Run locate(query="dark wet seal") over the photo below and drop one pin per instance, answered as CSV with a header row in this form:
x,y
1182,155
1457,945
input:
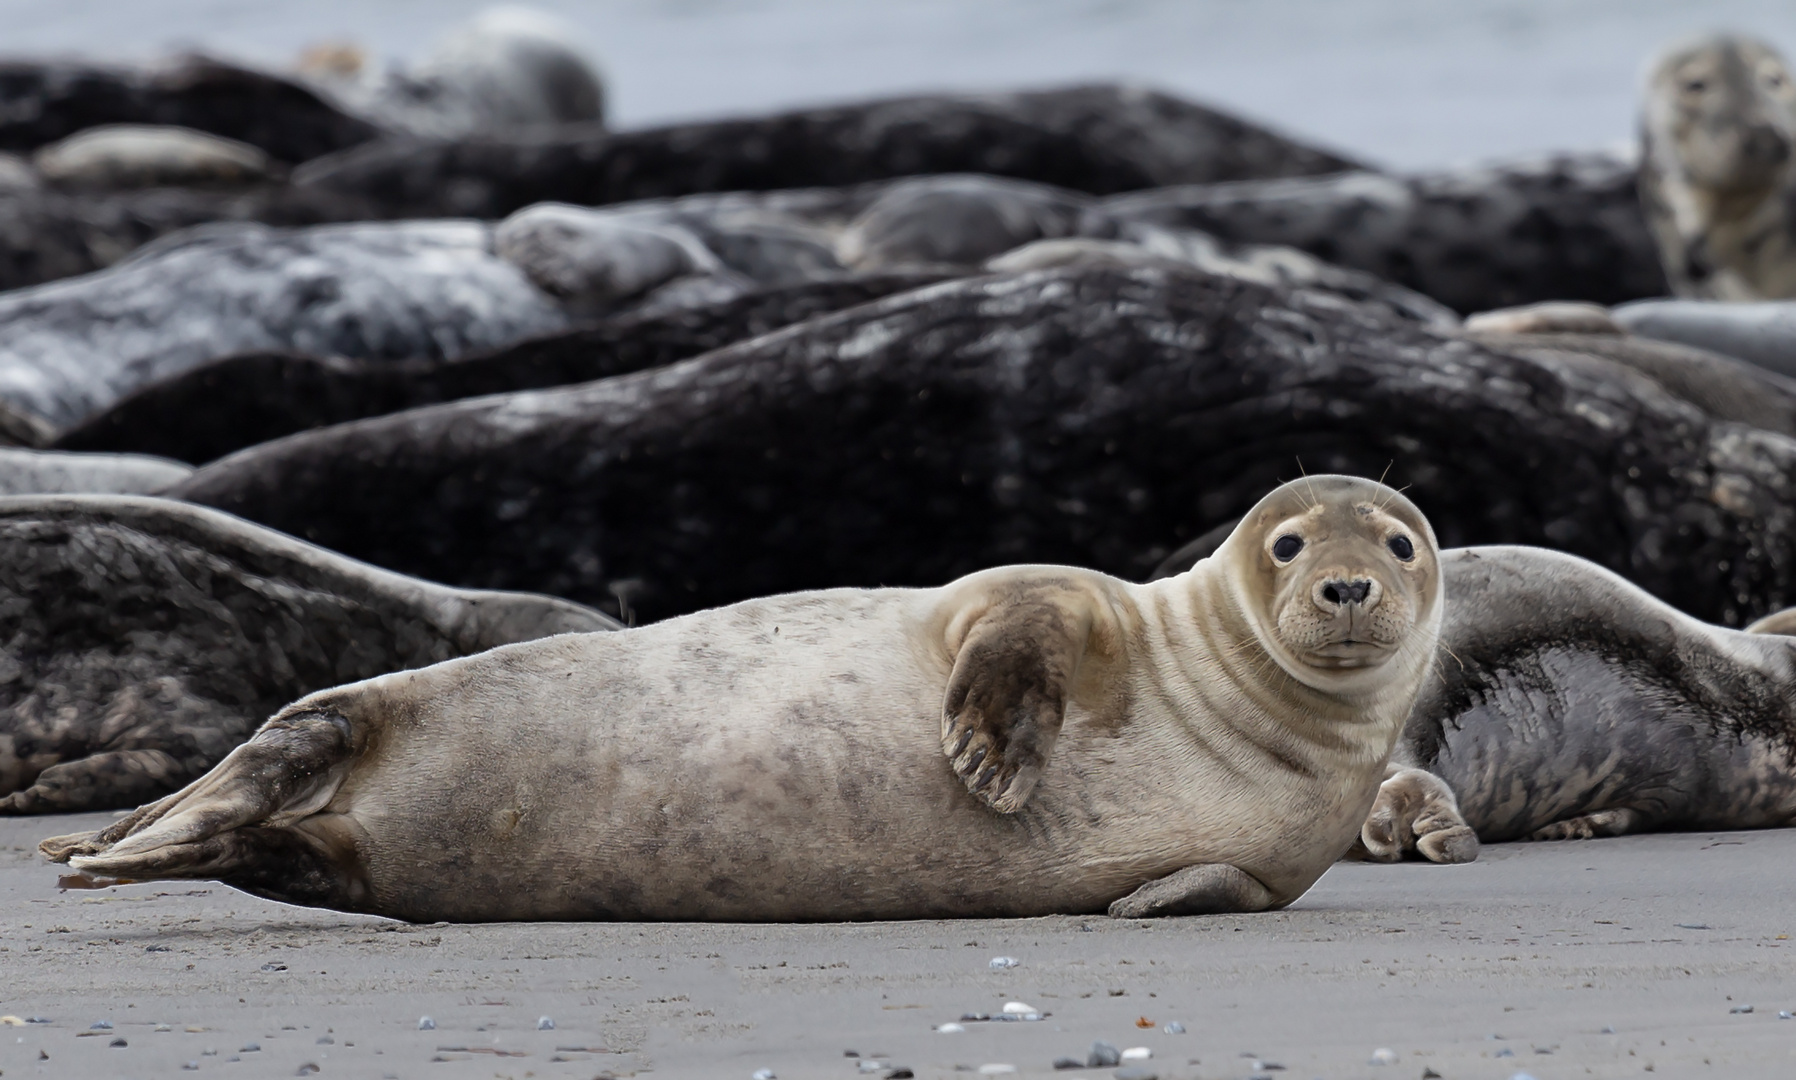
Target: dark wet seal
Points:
x,y
252,398
144,639
1090,416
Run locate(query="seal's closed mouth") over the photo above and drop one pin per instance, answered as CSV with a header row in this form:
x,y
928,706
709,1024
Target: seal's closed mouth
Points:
x,y
1350,652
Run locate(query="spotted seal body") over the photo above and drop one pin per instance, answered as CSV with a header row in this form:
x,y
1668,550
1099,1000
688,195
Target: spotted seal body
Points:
x,y
1022,741
142,639
1568,703
1716,138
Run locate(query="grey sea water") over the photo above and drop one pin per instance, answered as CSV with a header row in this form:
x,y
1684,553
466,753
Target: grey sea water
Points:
x,y
1407,83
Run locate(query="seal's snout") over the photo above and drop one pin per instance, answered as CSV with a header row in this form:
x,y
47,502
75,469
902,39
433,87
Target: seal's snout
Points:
x,y
1764,144
1339,592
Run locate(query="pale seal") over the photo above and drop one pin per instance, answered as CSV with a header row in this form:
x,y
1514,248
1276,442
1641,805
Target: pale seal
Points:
x,y
1022,741
142,639
148,155
1716,131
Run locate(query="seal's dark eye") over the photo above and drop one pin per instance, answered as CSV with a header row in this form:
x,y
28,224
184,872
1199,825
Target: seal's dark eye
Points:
x,y
1695,86
1286,547
1401,547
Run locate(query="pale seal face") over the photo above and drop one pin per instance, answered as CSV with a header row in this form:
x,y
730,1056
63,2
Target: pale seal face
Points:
x,y
1725,107
1339,577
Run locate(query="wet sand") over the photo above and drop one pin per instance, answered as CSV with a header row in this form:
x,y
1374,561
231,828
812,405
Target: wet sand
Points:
x,y
1535,949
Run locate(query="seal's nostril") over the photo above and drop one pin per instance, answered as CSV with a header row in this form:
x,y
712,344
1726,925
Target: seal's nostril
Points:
x,y
1346,592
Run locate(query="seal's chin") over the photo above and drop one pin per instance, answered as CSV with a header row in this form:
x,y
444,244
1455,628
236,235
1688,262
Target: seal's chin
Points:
x,y
1348,653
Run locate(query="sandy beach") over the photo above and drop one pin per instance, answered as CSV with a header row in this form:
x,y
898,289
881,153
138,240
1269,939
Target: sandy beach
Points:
x,y
1603,958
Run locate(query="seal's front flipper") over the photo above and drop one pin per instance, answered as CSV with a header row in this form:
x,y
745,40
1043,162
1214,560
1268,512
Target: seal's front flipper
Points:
x,y
285,773
1415,811
1007,693
1204,889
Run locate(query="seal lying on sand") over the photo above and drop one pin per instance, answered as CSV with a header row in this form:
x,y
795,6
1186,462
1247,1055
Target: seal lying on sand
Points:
x,y
1715,169
142,639
1023,741
1567,703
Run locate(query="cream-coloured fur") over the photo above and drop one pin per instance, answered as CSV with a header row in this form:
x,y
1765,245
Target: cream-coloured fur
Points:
x,y
783,758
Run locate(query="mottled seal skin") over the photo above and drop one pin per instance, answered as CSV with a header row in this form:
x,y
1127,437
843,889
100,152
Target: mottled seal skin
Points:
x,y
142,639
1023,741
1717,127
1568,227
1567,703
380,290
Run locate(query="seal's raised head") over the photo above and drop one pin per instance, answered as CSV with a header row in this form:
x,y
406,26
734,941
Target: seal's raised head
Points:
x,y
1724,108
1337,577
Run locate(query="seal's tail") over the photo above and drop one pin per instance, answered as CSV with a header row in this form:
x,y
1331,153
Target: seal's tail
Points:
x,y
251,822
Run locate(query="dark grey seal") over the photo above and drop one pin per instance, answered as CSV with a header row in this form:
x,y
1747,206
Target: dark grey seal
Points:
x,y
142,639
1763,333
1563,228
1086,415
395,291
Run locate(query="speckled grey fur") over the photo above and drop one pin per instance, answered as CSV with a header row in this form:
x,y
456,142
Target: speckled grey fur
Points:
x,y
397,290
141,639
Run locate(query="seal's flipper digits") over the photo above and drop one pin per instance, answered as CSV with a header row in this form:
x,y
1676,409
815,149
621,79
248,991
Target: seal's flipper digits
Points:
x,y
1617,822
289,770
1205,889
71,786
1415,811
1007,694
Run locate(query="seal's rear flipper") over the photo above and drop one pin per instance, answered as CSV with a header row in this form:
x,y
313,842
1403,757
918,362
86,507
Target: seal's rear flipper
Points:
x,y
1416,811
281,777
1204,889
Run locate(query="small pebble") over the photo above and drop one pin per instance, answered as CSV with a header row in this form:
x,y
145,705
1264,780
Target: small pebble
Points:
x,y
1103,1056
1137,1053
1525,1076
1693,926
1068,1063
274,967
307,1069
326,1040
1505,1052
1174,1028
1430,1074
871,1065
119,1042
425,1023
1607,1030
1741,1009
100,1025
232,1058
1384,1055
192,1066
1018,1008
762,1074
950,1028
164,1027
901,1074
250,1048
37,1019
1137,1072
999,963
1267,1066
1542,1050
996,1069
543,1023
1785,1014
